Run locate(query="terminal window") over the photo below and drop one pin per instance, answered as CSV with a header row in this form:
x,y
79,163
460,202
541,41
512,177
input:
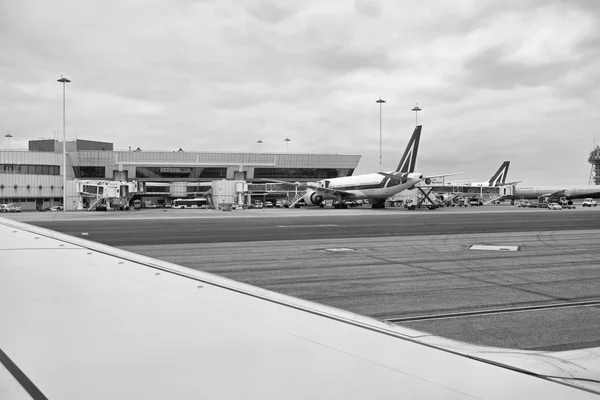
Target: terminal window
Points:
x,y
89,172
29,169
181,173
157,189
213,173
198,189
296,173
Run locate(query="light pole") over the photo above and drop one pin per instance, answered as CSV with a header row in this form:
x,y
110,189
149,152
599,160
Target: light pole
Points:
x,y
287,144
64,80
259,143
416,109
8,136
380,101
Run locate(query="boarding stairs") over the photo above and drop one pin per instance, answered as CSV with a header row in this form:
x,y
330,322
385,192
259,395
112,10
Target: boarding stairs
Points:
x,y
95,203
296,199
492,199
129,197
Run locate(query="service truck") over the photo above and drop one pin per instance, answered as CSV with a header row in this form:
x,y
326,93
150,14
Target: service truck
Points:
x,y
588,202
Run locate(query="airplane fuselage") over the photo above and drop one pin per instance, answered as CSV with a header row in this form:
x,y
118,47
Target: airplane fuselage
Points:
x,y
367,186
534,192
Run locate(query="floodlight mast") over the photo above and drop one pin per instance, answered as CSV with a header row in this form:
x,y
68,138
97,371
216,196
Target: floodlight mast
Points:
x,y
64,81
380,101
416,109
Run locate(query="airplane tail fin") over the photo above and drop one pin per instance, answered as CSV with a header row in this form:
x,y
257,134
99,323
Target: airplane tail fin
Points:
x,y
499,178
409,158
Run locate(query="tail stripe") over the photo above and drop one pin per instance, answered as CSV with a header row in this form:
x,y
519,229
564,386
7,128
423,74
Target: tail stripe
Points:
x,y
499,178
409,158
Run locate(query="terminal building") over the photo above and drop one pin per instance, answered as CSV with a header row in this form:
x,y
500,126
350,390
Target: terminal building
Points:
x,y
33,178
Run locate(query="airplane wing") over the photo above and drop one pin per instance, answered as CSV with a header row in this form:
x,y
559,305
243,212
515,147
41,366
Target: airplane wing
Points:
x,y
557,193
463,181
441,175
334,191
299,185
81,320
304,186
394,177
400,176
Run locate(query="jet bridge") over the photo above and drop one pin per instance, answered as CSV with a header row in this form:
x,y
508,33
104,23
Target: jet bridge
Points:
x,y
90,193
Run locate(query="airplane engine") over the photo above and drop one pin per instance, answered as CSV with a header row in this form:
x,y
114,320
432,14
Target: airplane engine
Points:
x,y
428,181
313,198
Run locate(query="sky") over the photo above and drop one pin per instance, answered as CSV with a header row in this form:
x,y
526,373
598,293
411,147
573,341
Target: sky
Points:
x,y
498,80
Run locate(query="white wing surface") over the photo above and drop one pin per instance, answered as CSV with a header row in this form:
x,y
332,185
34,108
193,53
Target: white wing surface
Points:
x,y
80,320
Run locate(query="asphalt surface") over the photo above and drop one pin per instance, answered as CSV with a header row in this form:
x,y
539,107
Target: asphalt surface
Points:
x,y
390,263
157,227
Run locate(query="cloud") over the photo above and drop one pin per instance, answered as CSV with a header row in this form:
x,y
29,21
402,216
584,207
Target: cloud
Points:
x,y
496,80
490,69
270,12
368,8
346,60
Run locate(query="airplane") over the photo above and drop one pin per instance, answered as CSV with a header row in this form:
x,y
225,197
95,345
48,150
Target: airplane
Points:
x,y
375,187
498,179
535,192
82,320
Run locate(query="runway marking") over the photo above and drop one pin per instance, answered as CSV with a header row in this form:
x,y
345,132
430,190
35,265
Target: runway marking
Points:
x,y
305,226
84,234
340,249
493,248
495,311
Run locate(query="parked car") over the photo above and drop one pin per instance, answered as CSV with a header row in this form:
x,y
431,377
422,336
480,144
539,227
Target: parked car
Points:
x,y
56,208
278,204
588,202
268,204
554,206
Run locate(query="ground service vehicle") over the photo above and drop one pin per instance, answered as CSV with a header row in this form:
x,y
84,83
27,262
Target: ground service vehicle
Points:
x,y
410,205
461,202
474,201
10,207
190,203
588,202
